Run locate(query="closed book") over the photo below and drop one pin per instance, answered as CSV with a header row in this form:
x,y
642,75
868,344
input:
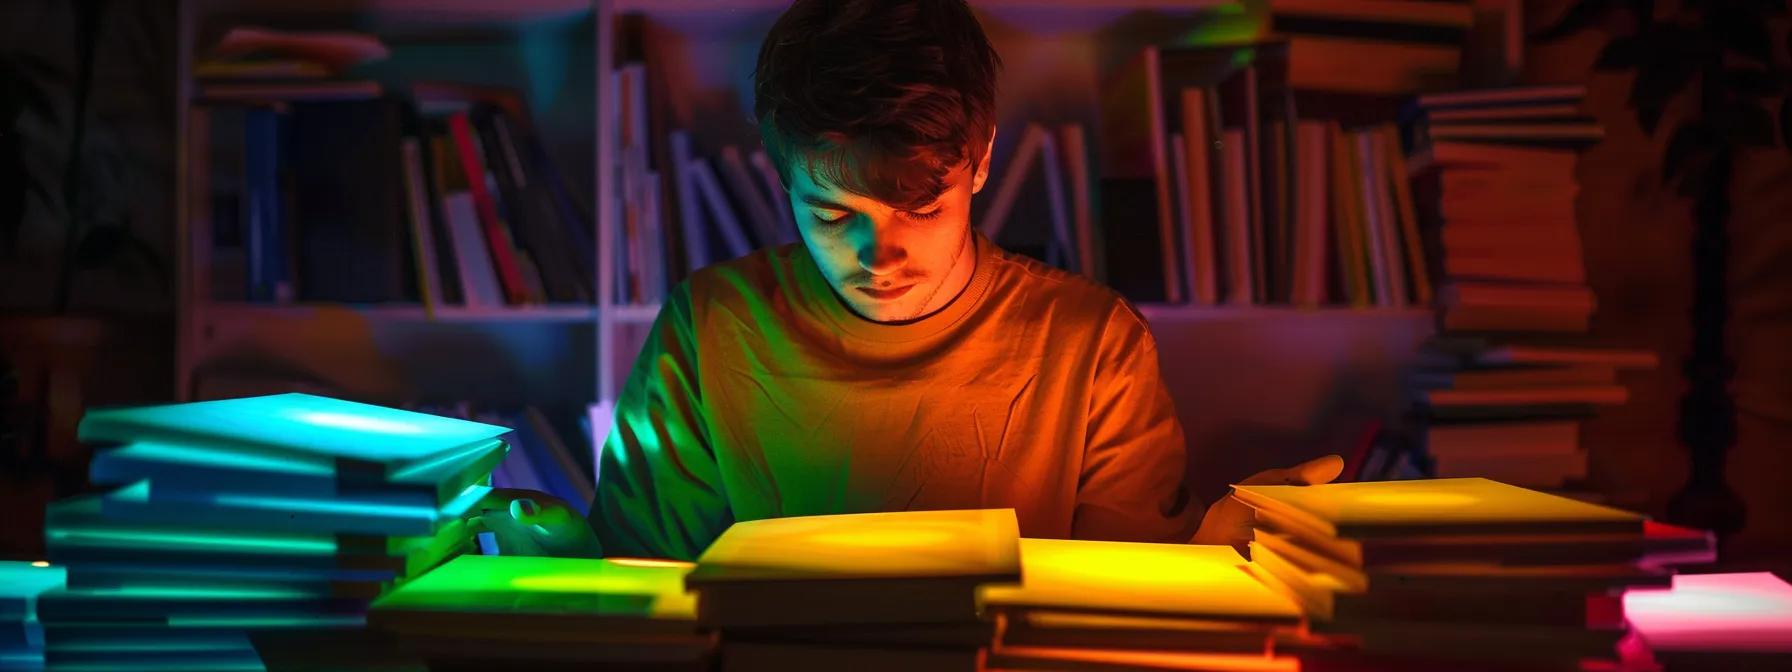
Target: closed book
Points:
x,y
903,567
1430,507
544,599
1139,579
428,483
362,436
1146,633
145,503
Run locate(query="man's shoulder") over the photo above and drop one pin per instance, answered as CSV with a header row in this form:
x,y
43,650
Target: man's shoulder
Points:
x,y
757,274
1043,287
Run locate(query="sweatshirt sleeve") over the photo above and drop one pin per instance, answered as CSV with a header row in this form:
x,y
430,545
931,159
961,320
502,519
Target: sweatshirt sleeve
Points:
x,y
659,490
1133,481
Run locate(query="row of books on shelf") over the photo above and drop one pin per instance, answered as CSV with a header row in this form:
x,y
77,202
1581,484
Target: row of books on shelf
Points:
x,y
323,189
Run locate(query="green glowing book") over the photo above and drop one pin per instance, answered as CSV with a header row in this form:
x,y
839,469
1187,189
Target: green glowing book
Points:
x,y
430,483
143,502
20,585
901,567
76,531
546,599
374,439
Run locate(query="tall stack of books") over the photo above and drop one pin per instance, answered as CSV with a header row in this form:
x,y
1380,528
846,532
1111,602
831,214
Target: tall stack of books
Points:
x,y
1505,386
241,515
1461,570
511,612
21,635
1117,605
875,591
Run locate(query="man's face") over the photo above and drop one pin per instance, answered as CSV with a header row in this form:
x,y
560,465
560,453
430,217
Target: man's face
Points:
x,y
889,265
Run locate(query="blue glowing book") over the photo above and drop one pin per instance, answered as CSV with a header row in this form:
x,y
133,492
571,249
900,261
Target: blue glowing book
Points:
x,y
362,584
20,585
173,655
76,530
375,440
21,636
143,502
158,604
429,483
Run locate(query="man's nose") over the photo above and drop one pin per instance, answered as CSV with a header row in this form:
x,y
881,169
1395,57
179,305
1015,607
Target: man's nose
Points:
x,y
881,253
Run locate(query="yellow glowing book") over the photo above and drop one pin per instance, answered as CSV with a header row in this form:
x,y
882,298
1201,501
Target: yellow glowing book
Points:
x,y
1428,507
1146,633
546,599
1659,543
1203,582
1109,660
1462,591
900,567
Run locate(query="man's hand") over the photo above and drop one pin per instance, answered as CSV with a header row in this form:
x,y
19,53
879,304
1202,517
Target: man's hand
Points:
x,y
1229,520
530,523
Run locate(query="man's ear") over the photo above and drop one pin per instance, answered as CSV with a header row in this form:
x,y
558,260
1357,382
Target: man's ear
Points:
x,y
982,173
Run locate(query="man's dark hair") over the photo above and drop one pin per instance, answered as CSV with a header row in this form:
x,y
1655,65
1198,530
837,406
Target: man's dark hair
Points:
x,y
882,98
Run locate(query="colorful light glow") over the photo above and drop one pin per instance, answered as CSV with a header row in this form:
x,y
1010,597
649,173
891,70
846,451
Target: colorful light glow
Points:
x,y
651,562
1430,500
41,563
1120,577
479,586
1715,612
359,423
865,545
299,424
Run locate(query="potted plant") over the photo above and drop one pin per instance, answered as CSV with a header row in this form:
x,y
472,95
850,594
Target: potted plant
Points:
x,y
1720,55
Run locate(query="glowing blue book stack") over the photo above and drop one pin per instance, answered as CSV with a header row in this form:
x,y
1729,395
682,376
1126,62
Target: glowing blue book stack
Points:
x,y
246,515
21,635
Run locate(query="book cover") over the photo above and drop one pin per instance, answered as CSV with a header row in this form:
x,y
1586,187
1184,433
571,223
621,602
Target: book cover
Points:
x,y
1431,507
1180,580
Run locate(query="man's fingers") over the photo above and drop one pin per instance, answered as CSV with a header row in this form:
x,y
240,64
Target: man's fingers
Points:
x,y
1319,471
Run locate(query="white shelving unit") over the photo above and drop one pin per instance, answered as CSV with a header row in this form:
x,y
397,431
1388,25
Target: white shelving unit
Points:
x,y
1054,52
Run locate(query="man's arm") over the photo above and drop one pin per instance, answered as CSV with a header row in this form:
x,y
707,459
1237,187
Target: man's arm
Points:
x,y
1133,485
659,491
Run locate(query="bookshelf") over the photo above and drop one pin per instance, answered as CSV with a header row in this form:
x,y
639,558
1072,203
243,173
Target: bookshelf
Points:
x,y
699,55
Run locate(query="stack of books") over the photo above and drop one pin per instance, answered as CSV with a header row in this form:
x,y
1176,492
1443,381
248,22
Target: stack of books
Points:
x,y
512,612
1122,605
1503,390
1739,621
1513,411
21,635
1387,47
1496,188
240,515
872,591
1461,569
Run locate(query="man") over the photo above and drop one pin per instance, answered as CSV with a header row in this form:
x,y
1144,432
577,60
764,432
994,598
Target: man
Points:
x,y
895,359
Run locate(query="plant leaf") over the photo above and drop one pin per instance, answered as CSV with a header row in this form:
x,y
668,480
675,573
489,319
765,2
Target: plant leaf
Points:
x,y
1786,123
1622,53
1578,18
1657,83
1740,30
1751,82
1690,142
1749,124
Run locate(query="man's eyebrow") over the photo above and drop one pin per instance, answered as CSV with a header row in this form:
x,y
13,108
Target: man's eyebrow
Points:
x,y
822,202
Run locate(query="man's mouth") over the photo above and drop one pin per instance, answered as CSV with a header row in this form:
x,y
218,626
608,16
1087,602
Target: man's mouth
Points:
x,y
890,294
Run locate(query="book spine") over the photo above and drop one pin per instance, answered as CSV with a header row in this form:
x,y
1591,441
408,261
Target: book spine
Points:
x,y
497,242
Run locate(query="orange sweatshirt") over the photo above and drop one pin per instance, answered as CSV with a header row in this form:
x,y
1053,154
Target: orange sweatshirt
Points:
x,y
759,394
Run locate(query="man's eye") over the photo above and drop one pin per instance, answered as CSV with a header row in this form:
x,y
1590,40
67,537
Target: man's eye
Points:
x,y
924,216
830,216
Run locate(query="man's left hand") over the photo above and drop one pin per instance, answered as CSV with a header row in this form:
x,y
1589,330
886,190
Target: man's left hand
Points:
x,y
1229,521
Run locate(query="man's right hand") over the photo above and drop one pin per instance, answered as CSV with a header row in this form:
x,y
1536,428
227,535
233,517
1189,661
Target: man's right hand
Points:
x,y
531,523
